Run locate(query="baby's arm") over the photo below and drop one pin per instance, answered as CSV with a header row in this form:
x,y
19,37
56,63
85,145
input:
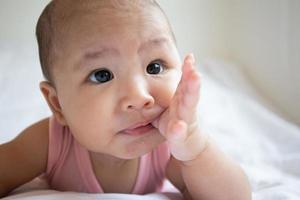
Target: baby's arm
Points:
x,y
211,176
24,158
198,168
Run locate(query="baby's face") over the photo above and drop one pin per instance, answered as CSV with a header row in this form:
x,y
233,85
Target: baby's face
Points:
x,y
118,70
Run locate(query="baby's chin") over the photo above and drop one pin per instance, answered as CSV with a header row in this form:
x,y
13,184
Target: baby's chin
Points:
x,y
141,146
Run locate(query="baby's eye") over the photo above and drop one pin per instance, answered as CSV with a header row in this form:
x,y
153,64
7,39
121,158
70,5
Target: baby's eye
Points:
x,y
155,68
101,76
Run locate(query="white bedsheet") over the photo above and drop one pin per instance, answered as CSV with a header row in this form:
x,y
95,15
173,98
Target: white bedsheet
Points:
x,y
266,146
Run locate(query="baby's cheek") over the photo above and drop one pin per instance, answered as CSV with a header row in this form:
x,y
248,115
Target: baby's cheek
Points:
x,y
166,91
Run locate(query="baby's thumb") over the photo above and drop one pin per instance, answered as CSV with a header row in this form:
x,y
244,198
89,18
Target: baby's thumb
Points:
x,y
176,131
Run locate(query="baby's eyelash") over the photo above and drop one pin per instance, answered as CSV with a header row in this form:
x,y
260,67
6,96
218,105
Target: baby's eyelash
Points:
x,y
160,61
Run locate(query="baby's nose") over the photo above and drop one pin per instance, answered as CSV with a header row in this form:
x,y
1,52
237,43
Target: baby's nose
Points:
x,y
136,96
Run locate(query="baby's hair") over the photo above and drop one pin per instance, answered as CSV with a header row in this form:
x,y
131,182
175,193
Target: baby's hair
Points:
x,y
53,22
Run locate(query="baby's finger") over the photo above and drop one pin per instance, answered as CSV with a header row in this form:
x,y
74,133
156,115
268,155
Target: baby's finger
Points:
x,y
182,86
192,92
188,65
186,68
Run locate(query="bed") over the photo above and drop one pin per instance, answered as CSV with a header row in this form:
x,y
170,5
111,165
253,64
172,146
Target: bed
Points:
x,y
231,111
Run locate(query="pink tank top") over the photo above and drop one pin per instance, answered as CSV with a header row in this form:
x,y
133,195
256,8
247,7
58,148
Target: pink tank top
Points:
x,y
69,166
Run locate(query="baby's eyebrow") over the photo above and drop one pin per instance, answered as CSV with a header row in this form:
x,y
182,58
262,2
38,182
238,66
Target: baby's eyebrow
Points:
x,y
154,42
100,53
96,54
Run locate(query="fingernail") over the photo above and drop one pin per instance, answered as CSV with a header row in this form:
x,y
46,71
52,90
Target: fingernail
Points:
x,y
190,58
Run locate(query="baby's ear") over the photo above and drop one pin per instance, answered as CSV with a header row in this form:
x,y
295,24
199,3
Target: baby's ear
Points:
x,y
50,95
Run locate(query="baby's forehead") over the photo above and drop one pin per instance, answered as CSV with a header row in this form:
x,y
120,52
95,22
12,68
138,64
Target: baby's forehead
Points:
x,y
72,13
83,17
70,8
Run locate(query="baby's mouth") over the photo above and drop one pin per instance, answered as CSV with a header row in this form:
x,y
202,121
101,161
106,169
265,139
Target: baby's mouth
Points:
x,y
139,130
144,127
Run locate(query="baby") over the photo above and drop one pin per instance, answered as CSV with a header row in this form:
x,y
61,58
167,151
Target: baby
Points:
x,y
124,108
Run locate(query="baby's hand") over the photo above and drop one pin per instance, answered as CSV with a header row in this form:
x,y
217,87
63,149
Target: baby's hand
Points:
x,y
178,124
